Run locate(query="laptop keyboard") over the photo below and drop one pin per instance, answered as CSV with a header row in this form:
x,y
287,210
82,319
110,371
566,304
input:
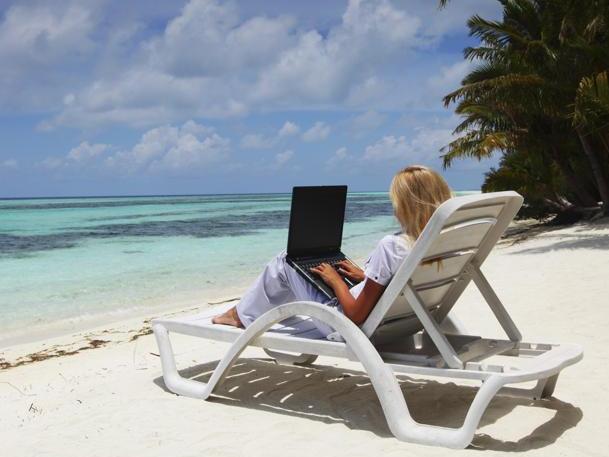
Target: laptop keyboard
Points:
x,y
314,263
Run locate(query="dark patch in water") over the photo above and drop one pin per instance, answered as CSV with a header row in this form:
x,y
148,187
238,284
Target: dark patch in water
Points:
x,y
359,208
40,205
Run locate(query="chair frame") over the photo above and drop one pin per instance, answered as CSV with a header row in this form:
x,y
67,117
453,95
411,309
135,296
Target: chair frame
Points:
x,y
434,351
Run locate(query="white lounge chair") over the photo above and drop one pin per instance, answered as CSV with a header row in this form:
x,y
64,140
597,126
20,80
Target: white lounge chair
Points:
x,y
408,330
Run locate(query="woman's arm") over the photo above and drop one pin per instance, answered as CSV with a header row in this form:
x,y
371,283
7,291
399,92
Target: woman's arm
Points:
x,y
356,309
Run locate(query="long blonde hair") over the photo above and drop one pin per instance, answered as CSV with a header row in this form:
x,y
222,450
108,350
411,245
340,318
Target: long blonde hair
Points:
x,y
416,191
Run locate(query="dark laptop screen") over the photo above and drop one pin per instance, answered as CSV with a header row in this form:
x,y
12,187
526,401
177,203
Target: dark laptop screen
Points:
x,y
316,220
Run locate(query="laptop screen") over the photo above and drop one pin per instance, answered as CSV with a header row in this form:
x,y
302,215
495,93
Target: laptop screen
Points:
x,y
316,220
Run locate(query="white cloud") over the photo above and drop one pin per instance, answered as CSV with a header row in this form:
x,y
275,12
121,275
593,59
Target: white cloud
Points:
x,y
85,151
188,148
323,69
82,155
226,44
339,157
282,158
318,132
288,129
40,45
387,148
9,163
191,154
192,127
450,77
424,146
142,97
90,63
259,141
208,62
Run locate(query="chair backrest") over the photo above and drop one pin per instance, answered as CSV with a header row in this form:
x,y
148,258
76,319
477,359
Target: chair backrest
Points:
x,y
461,232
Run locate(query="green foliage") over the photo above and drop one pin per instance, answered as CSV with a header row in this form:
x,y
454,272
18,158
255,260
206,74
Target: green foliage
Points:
x,y
592,101
529,176
539,97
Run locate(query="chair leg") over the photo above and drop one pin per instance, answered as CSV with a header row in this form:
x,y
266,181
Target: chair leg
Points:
x,y
543,389
285,358
548,389
173,380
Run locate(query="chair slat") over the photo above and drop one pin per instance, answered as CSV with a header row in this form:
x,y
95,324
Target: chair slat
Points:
x,y
463,236
461,233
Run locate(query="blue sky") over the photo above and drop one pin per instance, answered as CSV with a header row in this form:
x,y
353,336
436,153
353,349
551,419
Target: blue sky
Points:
x,y
106,97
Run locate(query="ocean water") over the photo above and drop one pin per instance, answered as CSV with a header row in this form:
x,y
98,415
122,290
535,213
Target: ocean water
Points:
x,y
84,259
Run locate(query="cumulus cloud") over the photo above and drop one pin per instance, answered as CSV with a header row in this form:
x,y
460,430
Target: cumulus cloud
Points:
x,y
40,44
259,141
326,68
79,156
424,146
318,132
188,148
85,151
339,157
288,129
226,43
388,147
209,62
99,62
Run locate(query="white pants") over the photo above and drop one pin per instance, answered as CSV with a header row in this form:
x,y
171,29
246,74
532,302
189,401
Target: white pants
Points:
x,y
279,284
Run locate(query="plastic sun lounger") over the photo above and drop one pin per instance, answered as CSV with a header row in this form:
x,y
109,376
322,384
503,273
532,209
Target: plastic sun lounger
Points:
x,y
408,331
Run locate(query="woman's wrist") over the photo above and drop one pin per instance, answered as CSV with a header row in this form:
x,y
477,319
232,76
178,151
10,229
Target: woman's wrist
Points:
x,y
339,285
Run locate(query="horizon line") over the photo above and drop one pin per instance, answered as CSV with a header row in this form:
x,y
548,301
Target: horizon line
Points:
x,y
65,197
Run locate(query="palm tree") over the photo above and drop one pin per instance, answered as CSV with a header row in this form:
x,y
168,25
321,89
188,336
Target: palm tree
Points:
x,y
531,95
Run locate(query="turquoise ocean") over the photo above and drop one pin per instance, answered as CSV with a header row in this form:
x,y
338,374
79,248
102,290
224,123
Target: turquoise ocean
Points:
x,y
87,259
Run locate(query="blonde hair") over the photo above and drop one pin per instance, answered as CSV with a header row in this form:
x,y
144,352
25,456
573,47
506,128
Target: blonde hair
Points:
x,y
416,192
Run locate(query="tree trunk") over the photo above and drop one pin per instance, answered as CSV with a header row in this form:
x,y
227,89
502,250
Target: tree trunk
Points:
x,y
585,198
597,170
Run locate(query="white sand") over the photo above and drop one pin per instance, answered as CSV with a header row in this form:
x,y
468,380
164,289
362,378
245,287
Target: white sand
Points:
x,y
110,401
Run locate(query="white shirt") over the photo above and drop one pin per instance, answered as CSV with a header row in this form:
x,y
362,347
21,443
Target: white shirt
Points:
x,y
384,261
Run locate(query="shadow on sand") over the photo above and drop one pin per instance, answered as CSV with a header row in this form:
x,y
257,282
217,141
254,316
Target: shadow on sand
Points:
x,y
584,236
334,395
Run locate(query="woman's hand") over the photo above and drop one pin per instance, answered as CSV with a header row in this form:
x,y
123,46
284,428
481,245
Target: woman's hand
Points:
x,y
351,271
329,275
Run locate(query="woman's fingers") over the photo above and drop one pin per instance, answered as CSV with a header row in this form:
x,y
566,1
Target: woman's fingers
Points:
x,y
319,269
348,266
344,271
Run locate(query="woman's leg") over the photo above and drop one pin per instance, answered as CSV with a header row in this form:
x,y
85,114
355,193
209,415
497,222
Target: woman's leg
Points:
x,y
278,284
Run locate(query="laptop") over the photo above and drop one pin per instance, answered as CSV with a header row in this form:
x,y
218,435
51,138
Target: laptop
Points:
x,y
316,231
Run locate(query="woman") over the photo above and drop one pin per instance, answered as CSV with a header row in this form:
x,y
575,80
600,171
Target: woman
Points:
x,y
415,192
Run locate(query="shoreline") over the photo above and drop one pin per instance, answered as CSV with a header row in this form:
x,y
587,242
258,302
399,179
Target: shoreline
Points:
x,y
31,332
57,340
72,336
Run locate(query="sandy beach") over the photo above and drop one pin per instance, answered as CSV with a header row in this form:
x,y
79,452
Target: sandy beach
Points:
x,y
100,393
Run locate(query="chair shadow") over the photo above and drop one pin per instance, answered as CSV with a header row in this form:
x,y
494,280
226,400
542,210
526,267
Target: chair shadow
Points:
x,y
334,395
